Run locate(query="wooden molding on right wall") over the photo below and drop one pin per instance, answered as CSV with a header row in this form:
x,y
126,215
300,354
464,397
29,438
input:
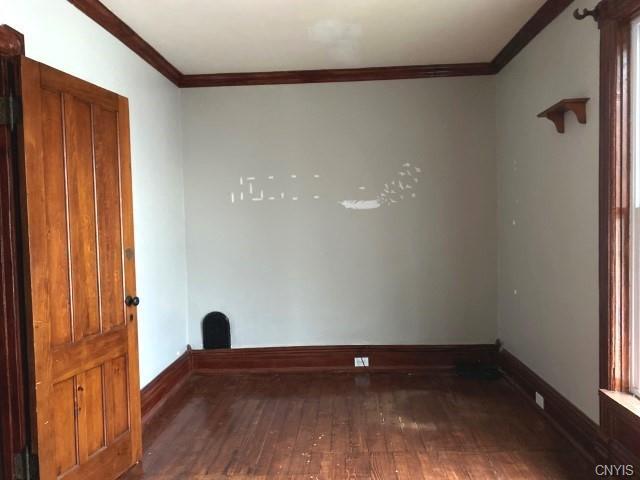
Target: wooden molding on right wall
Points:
x,y
619,424
581,431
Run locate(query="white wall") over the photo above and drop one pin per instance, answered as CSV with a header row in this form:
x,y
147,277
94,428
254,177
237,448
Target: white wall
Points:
x,y
311,272
548,184
58,34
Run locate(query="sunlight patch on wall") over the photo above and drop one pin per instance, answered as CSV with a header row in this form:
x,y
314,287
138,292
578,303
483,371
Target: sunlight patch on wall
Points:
x,y
396,190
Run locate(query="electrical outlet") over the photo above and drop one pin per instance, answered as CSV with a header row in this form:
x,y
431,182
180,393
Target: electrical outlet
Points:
x,y
540,400
361,361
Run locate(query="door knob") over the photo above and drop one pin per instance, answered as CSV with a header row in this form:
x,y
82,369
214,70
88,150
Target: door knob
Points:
x,y
132,301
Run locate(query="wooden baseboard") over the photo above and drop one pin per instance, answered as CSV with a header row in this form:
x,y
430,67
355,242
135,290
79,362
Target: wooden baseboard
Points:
x,y
583,432
622,428
305,359
154,394
339,358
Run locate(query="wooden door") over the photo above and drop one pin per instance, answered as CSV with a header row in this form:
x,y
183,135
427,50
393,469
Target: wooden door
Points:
x,y
76,200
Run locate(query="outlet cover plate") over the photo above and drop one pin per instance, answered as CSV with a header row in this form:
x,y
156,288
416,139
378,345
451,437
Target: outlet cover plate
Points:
x,y
361,362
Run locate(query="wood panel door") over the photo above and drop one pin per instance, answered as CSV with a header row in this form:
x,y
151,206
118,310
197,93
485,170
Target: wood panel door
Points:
x,y
76,201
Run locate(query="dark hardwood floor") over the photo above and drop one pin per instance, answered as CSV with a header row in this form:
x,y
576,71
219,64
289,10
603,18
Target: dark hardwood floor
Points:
x,y
339,426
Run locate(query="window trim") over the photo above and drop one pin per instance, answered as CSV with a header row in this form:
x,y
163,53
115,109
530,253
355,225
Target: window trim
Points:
x,y
619,410
615,18
634,253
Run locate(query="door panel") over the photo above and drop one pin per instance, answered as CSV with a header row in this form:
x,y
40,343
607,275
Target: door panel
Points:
x,y
116,387
78,133
107,175
90,412
57,253
64,421
79,230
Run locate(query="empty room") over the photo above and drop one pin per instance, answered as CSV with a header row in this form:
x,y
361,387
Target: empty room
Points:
x,y
319,239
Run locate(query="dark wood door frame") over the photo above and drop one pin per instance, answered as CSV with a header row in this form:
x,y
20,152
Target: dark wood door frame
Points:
x,y
14,428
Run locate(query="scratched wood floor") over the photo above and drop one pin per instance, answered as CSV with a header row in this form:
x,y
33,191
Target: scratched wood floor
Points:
x,y
343,426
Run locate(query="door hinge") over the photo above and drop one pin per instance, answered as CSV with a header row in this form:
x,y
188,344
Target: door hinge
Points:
x,y
25,466
9,112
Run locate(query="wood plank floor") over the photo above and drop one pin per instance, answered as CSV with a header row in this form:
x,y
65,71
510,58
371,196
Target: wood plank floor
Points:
x,y
352,426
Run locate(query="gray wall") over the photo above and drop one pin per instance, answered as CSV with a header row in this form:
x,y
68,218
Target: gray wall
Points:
x,y
309,271
548,185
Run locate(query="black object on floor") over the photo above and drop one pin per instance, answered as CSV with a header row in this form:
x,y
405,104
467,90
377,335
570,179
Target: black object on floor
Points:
x,y
477,370
216,331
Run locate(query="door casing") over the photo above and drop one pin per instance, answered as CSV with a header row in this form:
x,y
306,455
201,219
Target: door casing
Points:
x,y
14,408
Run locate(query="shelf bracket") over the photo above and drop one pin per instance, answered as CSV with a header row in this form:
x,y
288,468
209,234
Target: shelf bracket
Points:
x,y
557,112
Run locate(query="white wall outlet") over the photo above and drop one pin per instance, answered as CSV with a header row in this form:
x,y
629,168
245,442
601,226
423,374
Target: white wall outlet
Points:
x,y
540,400
361,361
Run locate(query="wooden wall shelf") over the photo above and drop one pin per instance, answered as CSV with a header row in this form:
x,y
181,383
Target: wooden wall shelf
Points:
x,y
556,112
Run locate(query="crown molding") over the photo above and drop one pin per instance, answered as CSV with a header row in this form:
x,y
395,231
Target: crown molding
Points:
x,y
546,14
99,13
123,32
336,75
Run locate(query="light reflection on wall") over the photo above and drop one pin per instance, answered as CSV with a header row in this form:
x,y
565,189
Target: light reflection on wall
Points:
x,y
396,190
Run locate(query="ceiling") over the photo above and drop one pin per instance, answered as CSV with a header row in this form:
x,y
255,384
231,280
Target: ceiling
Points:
x,y
222,36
